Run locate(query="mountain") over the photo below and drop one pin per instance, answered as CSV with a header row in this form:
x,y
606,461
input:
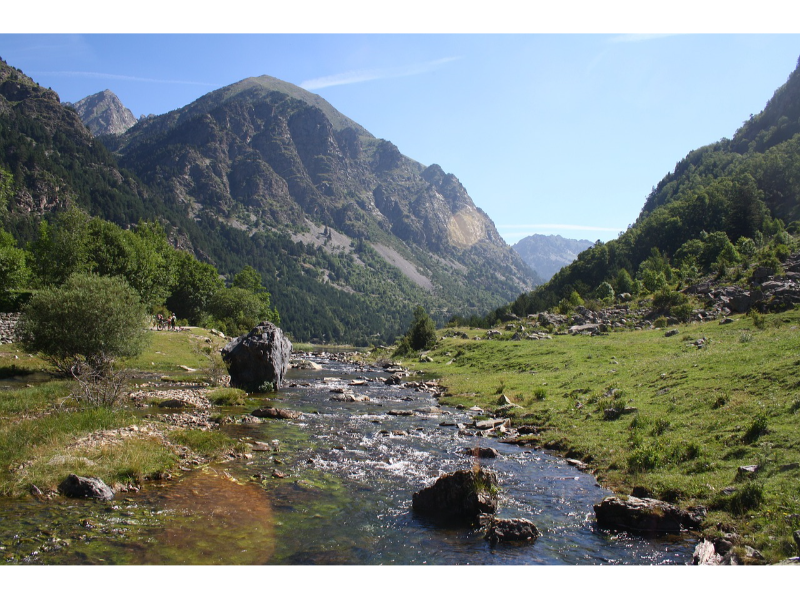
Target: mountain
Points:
x,y
51,160
348,234
104,114
546,254
734,201
274,162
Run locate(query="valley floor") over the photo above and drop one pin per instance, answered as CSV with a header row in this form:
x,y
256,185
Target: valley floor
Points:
x,y
651,414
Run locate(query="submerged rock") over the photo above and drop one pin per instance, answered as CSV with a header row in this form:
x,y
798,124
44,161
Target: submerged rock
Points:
x,y
275,413
348,397
258,357
307,365
645,515
462,495
482,452
175,403
75,486
511,530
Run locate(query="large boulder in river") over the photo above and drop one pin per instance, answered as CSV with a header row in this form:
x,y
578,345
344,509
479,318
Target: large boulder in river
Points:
x,y
462,495
258,357
645,515
75,486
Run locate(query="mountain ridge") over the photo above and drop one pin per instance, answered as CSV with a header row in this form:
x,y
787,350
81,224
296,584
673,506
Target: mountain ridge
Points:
x,y
547,254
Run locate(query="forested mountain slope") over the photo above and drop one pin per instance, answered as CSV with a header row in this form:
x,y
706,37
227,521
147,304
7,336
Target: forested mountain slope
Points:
x,y
720,205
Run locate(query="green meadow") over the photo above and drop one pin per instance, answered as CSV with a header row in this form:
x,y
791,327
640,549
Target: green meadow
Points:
x,y
42,423
683,416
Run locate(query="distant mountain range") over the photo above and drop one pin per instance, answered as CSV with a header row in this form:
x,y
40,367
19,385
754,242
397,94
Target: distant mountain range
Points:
x,y
547,254
348,234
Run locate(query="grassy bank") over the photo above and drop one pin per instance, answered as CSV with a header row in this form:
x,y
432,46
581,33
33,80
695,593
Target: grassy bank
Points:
x,y
695,412
46,433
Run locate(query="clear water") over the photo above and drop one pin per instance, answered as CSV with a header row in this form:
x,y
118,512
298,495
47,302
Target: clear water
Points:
x,y
349,472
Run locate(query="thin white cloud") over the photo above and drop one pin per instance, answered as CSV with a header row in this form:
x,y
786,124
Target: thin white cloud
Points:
x,y
373,74
632,38
93,75
73,47
539,226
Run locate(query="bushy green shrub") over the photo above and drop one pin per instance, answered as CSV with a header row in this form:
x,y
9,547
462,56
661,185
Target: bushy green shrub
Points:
x,y
757,428
666,300
421,335
645,458
748,498
237,310
90,320
227,397
604,291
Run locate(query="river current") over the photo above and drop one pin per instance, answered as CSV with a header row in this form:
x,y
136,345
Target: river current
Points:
x,y
334,487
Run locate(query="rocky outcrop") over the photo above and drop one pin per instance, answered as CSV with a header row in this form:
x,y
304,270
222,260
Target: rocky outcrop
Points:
x,y
768,291
307,365
720,551
645,516
462,495
258,357
348,397
104,114
63,165
75,486
8,327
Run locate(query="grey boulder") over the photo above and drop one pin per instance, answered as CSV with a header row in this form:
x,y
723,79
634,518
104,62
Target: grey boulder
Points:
x,y
258,357
75,486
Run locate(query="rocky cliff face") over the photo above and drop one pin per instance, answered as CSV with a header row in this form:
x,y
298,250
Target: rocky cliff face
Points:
x,y
547,254
103,113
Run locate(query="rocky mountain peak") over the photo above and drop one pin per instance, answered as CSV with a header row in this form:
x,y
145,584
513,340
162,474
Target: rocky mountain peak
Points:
x,y
103,113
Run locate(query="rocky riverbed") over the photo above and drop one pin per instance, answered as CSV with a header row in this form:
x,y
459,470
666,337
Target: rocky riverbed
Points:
x,y
338,478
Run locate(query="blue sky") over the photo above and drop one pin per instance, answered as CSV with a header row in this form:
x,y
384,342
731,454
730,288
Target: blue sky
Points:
x,y
549,133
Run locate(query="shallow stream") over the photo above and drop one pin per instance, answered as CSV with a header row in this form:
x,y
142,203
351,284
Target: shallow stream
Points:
x,y
334,488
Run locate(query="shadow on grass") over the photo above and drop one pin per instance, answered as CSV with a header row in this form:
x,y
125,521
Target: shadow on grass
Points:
x,y
15,371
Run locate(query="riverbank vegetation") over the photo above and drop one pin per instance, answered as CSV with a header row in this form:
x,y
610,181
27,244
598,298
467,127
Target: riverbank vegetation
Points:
x,y
48,430
166,280
656,416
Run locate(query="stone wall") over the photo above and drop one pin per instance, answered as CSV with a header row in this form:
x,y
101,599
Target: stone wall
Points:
x,y
8,325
